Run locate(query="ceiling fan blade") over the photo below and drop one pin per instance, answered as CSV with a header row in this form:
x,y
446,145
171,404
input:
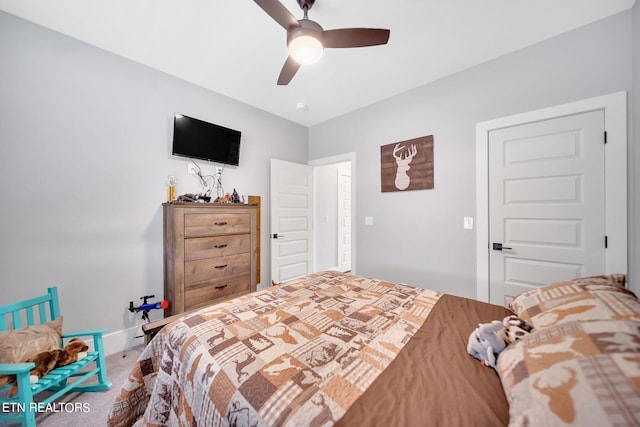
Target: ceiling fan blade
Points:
x,y
355,37
289,70
278,12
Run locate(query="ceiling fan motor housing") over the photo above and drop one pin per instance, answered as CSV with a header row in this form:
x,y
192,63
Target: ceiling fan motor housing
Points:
x,y
306,28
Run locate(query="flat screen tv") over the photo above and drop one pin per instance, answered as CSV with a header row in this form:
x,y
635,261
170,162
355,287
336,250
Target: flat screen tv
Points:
x,y
198,139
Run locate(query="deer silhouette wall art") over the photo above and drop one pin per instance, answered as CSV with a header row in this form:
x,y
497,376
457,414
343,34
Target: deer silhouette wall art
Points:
x,y
407,165
403,160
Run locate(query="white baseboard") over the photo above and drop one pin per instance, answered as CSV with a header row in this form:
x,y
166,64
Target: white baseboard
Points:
x,y
116,342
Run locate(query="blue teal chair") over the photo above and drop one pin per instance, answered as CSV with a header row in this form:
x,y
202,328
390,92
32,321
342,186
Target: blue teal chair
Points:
x,y
69,378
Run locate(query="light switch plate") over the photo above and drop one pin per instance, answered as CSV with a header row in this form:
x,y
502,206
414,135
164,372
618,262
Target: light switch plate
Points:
x,y
368,220
468,223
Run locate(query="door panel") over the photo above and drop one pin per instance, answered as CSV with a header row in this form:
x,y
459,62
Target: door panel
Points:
x,y
291,220
547,232
529,273
546,203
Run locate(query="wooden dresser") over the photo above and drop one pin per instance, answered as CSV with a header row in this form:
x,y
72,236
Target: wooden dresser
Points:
x,y
209,254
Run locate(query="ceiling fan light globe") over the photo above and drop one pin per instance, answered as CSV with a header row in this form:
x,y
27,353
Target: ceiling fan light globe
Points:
x,y
305,49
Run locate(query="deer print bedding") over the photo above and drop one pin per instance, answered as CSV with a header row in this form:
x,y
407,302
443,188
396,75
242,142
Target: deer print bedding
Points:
x,y
296,354
581,373
332,349
581,364
586,298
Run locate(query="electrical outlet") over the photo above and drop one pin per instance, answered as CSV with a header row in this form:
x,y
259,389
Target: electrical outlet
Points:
x,y
218,171
191,169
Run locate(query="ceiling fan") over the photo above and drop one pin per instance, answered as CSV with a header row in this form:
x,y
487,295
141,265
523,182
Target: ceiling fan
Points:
x,y
306,39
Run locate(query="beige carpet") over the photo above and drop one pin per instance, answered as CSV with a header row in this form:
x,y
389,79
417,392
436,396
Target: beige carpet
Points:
x,y
93,407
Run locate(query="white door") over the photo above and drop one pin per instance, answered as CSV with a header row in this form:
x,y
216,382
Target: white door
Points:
x,y
344,221
546,203
291,220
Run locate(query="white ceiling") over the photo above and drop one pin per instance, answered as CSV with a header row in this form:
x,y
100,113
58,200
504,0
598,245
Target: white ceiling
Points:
x,y
234,48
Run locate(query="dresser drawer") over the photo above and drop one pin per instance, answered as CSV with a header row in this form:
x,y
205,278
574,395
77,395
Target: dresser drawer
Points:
x,y
215,224
216,268
213,247
216,290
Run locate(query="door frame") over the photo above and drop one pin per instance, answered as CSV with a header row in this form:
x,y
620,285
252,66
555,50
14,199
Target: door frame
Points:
x,y
615,121
340,158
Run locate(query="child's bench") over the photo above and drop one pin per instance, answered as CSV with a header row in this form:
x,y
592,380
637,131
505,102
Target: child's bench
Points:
x,y
21,407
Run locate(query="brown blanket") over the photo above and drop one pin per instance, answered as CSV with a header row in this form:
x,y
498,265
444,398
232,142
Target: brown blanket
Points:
x,y
433,381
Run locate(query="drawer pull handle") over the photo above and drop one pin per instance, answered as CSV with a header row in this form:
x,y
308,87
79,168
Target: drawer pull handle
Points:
x,y
221,286
220,246
219,267
221,223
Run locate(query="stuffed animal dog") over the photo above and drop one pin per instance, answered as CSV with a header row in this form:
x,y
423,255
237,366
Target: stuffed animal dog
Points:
x,y
47,361
489,339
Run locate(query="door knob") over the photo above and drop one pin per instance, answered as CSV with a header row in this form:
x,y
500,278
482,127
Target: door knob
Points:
x,y
276,235
499,247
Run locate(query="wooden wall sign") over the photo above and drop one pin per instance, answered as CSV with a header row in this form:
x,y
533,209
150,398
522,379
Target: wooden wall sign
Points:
x,y
407,165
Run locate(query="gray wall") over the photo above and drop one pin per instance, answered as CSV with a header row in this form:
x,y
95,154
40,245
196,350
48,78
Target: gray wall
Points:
x,y
85,150
418,236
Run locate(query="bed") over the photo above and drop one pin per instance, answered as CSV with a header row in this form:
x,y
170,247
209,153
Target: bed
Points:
x,y
337,349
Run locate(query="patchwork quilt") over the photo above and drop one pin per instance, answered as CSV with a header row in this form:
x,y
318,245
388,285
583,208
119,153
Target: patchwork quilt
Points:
x,y
296,354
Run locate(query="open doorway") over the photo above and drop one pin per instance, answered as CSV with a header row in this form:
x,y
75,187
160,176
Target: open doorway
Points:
x,y
303,224
334,213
